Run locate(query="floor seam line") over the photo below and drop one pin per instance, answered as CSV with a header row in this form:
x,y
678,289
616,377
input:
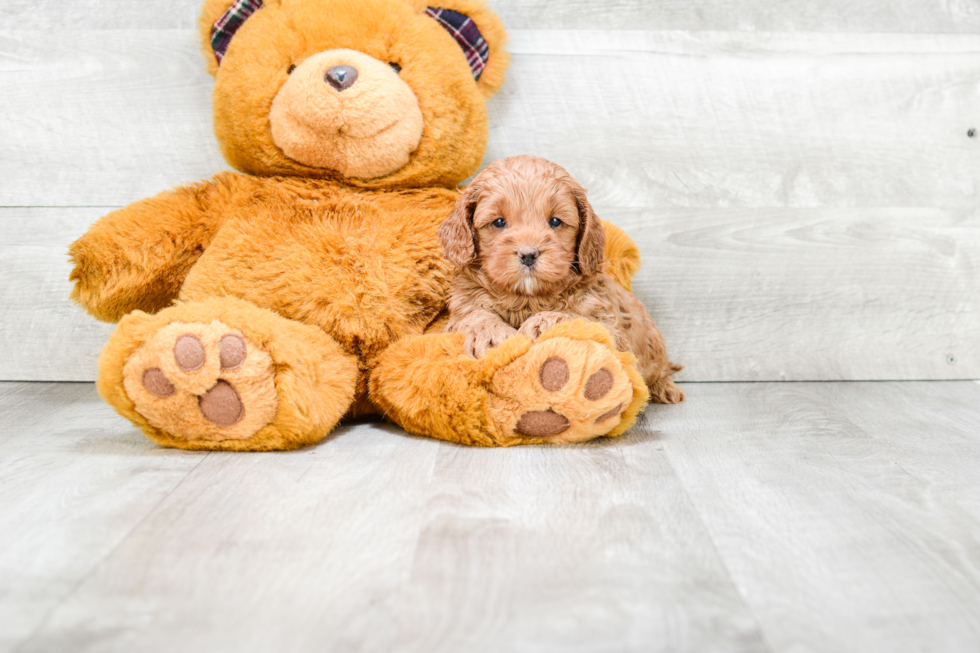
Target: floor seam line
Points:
x,y
714,547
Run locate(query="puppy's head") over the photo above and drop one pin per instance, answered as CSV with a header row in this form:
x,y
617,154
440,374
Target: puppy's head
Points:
x,y
526,226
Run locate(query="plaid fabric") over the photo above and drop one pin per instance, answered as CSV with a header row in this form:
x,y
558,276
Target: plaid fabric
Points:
x,y
467,35
225,27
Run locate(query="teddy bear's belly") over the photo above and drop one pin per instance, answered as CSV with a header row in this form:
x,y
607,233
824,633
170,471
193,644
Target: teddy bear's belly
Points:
x,y
365,277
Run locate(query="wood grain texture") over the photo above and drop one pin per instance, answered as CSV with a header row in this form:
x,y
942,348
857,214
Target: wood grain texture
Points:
x,y
103,118
377,541
923,16
75,481
774,517
849,514
647,119
740,294
723,120
812,294
98,14
583,549
44,336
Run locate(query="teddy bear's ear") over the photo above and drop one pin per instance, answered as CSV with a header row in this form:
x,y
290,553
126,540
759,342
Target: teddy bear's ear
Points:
x,y
480,35
219,21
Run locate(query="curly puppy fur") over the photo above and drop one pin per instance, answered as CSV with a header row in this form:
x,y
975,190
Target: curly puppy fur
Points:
x,y
528,251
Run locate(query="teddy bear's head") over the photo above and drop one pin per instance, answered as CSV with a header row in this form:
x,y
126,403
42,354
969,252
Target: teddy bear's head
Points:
x,y
377,93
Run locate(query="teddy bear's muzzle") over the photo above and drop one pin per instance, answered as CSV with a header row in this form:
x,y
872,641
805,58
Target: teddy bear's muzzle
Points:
x,y
346,111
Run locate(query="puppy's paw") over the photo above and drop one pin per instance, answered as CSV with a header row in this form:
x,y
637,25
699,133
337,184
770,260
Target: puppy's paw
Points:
x,y
665,391
540,323
480,338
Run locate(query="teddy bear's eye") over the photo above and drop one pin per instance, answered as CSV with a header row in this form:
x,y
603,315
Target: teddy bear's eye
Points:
x,y
555,222
499,223
292,67
395,67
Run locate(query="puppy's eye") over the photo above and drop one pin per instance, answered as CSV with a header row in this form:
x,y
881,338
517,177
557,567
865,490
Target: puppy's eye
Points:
x,y
292,67
499,223
555,222
395,66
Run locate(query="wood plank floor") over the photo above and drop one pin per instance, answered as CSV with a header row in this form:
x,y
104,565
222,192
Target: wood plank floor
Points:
x,y
754,517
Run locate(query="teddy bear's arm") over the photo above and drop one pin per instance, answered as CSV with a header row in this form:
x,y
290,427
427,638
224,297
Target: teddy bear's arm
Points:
x,y
622,256
137,257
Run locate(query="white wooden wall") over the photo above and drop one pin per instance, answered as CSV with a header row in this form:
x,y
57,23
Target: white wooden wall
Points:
x,y
798,174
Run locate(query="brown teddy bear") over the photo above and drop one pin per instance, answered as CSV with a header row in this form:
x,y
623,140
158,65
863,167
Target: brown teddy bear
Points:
x,y
256,310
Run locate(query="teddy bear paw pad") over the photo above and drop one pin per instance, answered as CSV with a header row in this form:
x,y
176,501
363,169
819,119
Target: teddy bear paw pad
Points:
x,y
202,382
561,390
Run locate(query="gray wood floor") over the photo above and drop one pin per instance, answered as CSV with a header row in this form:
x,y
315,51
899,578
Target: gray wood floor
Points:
x,y
755,517
800,179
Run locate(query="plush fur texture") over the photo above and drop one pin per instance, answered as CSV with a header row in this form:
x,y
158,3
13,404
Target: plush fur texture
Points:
x,y
437,390
529,253
368,130
321,262
291,32
312,376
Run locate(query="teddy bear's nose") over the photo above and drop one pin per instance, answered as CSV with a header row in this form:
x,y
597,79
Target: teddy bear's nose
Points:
x,y
341,77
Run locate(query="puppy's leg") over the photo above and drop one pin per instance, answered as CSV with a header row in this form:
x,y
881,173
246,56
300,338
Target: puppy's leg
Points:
x,y
483,330
657,369
647,343
540,323
665,391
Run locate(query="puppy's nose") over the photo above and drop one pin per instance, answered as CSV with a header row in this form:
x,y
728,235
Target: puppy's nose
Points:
x,y
528,255
341,77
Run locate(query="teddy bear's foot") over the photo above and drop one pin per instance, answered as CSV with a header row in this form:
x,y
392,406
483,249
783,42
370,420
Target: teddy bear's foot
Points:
x,y
568,387
225,374
202,382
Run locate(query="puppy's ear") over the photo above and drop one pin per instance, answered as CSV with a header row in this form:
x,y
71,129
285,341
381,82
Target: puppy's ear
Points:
x,y
591,236
456,234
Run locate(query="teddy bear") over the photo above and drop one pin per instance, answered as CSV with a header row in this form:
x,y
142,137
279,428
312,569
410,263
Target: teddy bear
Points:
x,y
258,308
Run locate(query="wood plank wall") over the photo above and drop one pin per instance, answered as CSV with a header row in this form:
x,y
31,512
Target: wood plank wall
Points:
x,y
798,174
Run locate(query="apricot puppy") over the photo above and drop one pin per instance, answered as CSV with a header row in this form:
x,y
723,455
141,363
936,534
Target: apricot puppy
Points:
x,y
529,254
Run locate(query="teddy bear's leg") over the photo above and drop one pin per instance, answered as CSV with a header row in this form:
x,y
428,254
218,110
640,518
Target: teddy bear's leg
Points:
x,y
570,385
225,374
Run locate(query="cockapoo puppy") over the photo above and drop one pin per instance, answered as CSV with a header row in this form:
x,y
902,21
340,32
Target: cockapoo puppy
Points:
x,y
529,254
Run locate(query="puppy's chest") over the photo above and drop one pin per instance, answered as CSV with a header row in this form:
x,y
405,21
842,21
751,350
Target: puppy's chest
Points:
x,y
588,300
517,312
